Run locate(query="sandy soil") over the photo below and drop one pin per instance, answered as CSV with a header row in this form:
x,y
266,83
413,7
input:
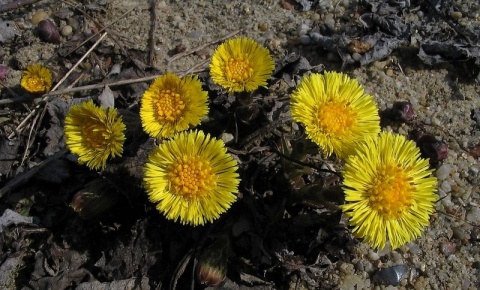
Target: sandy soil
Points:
x,y
447,256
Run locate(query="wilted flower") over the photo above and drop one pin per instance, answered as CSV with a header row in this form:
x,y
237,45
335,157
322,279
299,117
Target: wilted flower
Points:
x,y
389,190
172,104
241,64
94,199
212,263
192,178
335,111
94,134
36,79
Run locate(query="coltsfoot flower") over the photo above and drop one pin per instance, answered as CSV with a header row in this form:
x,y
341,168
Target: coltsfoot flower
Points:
x,y
36,79
94,134
172,104
389,191
335,111
241,64
192,178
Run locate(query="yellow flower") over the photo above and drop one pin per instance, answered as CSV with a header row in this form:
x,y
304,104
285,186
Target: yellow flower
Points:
x,y
36,79
241,64
94,134
172,104
389,190
335,111
191,177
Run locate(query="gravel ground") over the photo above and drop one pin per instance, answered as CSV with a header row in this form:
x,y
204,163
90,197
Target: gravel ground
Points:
x,y
447,256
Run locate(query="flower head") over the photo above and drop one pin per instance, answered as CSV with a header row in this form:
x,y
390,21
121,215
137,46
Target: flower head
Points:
x,y
172,104
191,178
389,190
94,134
335,111
241,64
36,79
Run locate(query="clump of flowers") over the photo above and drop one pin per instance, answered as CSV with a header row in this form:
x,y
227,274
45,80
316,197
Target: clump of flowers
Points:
x,y
36,79
389,190
335,111
172,104
94,134
192,178
241,64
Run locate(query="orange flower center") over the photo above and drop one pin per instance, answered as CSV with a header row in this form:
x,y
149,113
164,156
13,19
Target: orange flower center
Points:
x,y
191,177
391,191
35,84
336,118
238,69
94,135
169,105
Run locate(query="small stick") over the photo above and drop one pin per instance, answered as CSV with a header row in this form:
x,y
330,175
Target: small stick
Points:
x,y
16,4
45,97
101,30
180,55
151,34
123,82
24,177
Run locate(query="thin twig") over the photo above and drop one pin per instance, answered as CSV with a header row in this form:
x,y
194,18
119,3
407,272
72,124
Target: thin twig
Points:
x,y
45,97
24,177
180,55
100,31
151,34
123,82
16,4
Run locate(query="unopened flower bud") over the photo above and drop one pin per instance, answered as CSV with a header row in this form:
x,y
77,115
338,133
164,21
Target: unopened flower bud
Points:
x,y
94,199
211,268
403,112
431,147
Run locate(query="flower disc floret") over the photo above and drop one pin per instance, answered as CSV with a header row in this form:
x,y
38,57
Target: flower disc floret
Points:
x,y
389,191
241,64
36,79
94,134
335,111
191,178
172,104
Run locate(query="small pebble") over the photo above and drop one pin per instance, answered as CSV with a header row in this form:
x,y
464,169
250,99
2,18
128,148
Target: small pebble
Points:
x,y
356,56
456,15
373,256
443,171
195,34
390,72
67,30
39,16
446,186
390,276
263,26
305,39
226,137
315,17
303,29
448,248
330,23
473,215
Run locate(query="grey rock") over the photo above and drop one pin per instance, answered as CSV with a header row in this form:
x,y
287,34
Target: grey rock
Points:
x,y
390,276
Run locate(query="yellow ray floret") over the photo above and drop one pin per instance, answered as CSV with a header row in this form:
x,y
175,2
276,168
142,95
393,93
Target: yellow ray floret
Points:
x,y
36,79
172,104
335,111
241,64
94,134
389,191
191,178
